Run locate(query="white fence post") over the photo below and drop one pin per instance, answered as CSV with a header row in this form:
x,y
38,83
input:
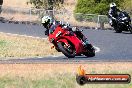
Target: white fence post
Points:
x,y
0,9
97,23
30,13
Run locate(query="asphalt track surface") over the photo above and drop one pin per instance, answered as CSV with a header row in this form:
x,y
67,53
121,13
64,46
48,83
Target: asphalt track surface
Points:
x,y
114,47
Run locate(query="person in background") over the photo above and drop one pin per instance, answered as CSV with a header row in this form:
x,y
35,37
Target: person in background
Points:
x,y
113,14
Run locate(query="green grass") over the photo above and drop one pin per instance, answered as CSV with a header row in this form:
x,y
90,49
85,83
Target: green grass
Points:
x,y
59,81
4,43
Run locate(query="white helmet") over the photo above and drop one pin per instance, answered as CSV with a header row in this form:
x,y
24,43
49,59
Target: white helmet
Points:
x,y
46,19
112,5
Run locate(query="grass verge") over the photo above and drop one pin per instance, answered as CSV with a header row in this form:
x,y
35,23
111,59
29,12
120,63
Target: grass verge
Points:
x,y
57,75
12,46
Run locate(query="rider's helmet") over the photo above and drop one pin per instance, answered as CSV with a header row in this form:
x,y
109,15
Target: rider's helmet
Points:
x,y
113,6
47,21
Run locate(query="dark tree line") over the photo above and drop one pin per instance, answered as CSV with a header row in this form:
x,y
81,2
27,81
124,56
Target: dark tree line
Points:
x,y
101,6
1,2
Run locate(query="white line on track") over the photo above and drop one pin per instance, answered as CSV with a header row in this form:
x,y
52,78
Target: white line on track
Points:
x,y
22,35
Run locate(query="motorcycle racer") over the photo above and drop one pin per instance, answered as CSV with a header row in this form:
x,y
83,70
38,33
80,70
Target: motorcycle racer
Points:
x,y
113,14
50,24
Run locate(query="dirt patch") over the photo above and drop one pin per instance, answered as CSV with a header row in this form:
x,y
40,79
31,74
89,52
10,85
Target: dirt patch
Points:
x,y
36,71
58,75
19,17
16,3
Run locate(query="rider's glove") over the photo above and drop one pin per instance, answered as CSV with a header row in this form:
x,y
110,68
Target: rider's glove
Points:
x,y
74,29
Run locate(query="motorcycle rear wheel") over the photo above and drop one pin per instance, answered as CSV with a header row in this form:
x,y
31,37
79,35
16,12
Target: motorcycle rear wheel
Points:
x,y
68,53
90,51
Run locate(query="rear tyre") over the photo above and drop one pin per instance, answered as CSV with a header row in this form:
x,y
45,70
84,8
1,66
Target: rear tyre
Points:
x,y
90,51
68,52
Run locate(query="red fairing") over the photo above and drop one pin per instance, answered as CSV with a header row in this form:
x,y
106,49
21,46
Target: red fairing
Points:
x,y
76,42
63,39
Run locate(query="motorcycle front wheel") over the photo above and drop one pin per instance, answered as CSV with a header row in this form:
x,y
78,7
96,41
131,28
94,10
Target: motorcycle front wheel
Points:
x,y
69,52
117,30
130,29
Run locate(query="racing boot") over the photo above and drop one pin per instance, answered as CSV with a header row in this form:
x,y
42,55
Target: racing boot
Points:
x,y
85,43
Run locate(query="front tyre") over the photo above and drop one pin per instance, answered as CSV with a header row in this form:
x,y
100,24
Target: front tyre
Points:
x,y
117,30
68,51
130,29
57,49
90,51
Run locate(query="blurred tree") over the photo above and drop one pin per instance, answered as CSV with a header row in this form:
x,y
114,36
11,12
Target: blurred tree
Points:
x,y
97,6
46,4
1,3
127,5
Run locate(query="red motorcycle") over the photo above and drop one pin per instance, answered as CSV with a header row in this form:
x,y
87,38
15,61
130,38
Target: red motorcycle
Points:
x,y
69,43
